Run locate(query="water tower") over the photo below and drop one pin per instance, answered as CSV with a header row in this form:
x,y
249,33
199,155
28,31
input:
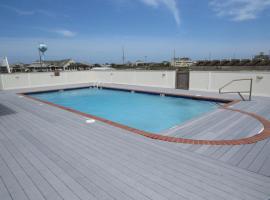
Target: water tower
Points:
x,y
42,48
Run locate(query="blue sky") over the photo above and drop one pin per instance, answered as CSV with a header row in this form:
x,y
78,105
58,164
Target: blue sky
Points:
x,y
95,30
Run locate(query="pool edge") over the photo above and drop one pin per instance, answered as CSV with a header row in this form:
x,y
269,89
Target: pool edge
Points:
x,y
229,102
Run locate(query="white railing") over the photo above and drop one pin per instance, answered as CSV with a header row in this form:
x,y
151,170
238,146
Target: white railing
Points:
x,y
239,92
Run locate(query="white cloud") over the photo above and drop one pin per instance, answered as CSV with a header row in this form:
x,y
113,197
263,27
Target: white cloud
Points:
x,y
170,4
58,31
64,32
151,2
18,11
22,12
239,10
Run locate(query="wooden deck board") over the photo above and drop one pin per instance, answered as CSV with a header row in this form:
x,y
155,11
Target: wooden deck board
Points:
x,y
4,193
265,167
89,152
28,186
45,188
257,163
9,179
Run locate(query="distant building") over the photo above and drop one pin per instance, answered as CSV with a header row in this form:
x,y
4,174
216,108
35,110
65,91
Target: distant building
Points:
x,y
182,62
106,65
165,62
262,57
129,63
259,62
51,65
19,67
79,66
102,68
140,63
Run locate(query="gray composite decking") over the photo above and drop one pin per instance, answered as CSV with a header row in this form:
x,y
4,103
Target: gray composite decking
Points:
x,y
199,127
49,153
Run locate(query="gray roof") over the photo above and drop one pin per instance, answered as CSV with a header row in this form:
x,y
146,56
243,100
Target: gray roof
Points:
x,y
52,63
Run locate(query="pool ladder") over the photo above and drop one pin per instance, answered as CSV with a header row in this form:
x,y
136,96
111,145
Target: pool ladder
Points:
x,y
97,85
239,92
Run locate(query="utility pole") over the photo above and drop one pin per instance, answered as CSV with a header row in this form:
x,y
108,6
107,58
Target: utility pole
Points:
x,y
210,56
145,59
123,55
174,58
40,60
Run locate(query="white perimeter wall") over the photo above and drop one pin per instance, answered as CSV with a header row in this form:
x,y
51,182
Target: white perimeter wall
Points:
x,y
199,80
1,85
213,80
164,79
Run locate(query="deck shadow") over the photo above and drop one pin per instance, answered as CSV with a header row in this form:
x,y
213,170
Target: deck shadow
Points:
x,y
4,110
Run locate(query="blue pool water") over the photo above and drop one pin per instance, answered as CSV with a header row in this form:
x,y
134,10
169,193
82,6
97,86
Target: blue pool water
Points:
x,y
152,113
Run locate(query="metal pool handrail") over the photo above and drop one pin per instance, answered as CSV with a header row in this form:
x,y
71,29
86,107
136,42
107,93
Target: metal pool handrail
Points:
x,y
239,92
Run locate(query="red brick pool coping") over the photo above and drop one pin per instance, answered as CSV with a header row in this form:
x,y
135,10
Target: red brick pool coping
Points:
x,y
265,133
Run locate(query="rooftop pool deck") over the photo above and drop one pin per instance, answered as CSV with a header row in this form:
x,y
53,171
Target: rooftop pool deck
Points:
x,y
52,153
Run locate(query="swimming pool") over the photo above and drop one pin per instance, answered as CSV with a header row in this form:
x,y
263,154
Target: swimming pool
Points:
x,y
146,112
